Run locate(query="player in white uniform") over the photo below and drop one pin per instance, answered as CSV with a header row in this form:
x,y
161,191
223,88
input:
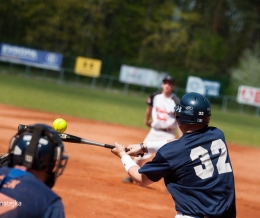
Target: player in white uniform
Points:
x,y
163,123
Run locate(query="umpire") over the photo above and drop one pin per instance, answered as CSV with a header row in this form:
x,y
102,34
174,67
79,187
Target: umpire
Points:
x,y
36,158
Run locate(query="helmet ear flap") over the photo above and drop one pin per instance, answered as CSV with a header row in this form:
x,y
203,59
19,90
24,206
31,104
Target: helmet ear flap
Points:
x,y
31,150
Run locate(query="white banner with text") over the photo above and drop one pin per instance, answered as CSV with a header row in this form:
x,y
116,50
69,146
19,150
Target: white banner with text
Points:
x,y
141,76
248,95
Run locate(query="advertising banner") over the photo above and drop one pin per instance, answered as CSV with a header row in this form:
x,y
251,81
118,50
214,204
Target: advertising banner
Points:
x,y
87,66
204,87
141,76
248,95
29,56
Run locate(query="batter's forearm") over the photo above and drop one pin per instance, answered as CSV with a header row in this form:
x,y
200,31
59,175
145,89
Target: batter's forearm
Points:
x,y
132,169
154,146
140,179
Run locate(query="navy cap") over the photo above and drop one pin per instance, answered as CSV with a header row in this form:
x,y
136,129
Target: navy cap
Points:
x,y
169,78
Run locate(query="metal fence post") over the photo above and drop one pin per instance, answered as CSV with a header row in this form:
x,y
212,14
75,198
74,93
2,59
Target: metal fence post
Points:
x,y
27,71
126,88
10,67
224,104
142,89
93,83
44,73
240,108
61,76
77,79
110,82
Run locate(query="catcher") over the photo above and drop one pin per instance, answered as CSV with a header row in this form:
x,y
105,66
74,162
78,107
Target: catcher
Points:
x,y
29,170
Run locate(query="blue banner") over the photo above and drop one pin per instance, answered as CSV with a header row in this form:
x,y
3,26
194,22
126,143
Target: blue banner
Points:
x,y
32,57
211,88
202,86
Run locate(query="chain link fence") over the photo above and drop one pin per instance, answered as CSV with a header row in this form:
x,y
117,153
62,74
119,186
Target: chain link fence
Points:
x,y
111,83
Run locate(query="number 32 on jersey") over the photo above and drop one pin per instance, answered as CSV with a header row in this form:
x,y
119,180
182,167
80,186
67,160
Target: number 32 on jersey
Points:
x,y
217,146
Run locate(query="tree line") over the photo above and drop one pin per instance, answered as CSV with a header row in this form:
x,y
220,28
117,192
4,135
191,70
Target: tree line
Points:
x,y
195,37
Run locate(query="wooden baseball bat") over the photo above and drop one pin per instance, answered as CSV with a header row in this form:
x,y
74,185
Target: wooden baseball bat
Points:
x,y
75,139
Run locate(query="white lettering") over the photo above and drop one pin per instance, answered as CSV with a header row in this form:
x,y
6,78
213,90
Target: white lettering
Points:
x,y
19,52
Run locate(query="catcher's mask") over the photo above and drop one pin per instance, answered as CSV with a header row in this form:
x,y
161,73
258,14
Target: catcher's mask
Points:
x,y
193,108
38,147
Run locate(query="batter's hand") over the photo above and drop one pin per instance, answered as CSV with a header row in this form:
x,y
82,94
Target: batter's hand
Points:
x,y
119,150
135,150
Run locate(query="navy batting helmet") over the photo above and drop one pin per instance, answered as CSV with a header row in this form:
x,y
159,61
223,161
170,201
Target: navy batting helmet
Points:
x,y
193,108
39,147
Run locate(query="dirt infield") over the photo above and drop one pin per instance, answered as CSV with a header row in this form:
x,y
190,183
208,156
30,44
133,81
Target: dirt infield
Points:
x,y
91,184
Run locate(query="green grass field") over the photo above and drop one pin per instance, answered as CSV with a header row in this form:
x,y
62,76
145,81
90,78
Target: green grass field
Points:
x,y
109,107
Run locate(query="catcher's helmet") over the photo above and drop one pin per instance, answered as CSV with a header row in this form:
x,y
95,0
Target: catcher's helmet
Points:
x,y
38,147
193,108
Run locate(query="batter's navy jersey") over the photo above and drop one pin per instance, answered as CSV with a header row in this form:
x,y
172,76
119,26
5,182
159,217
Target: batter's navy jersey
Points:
x,y
198,174
24,196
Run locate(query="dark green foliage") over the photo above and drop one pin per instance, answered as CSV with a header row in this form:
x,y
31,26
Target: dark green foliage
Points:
x,y
203,38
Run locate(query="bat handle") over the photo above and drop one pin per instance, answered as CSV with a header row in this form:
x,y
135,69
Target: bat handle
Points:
x,y
112,146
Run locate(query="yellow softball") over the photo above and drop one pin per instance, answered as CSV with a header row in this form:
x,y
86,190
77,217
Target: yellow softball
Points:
x,y
60,125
